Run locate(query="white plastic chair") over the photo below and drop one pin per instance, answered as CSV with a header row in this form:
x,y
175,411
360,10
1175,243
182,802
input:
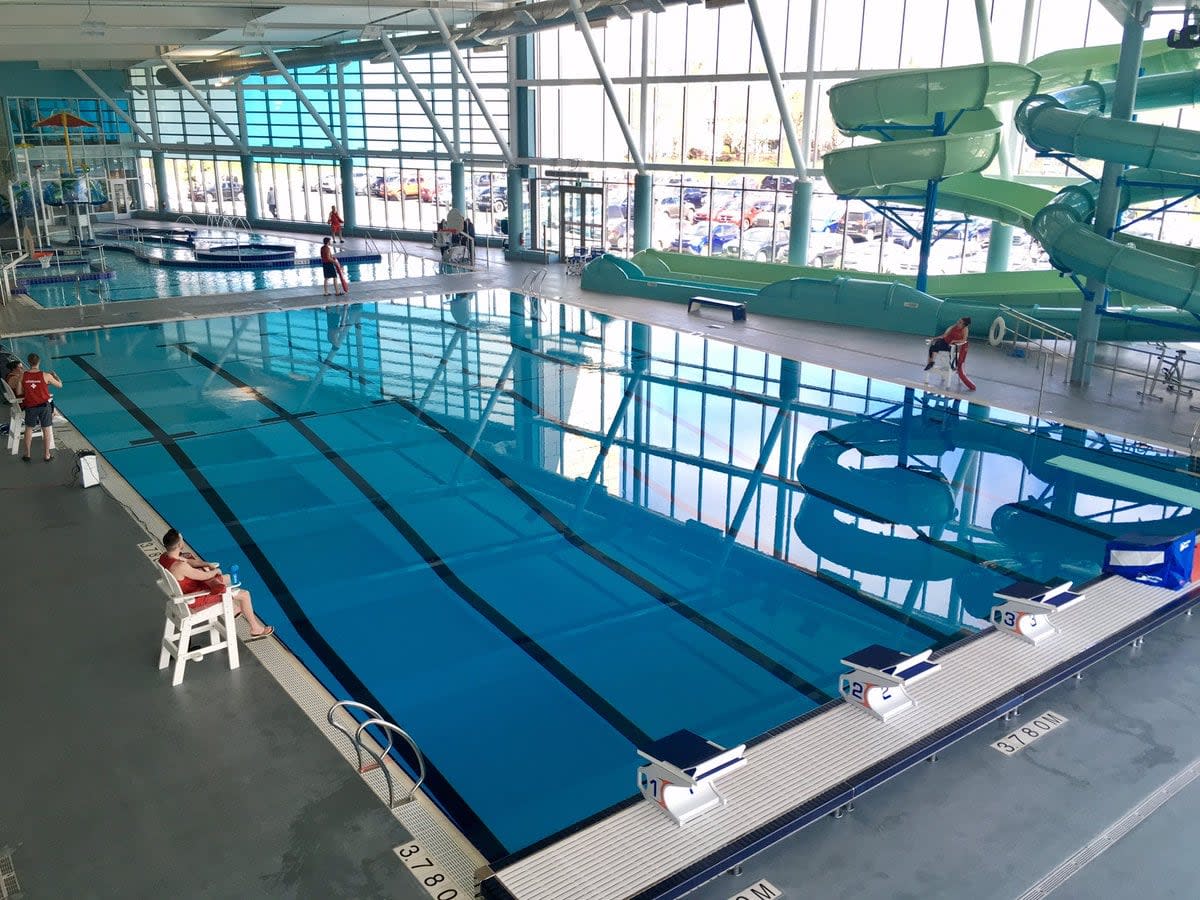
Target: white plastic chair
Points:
x,y
183,623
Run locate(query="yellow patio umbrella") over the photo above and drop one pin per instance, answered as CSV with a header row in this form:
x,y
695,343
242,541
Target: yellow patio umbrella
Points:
x,y
65,121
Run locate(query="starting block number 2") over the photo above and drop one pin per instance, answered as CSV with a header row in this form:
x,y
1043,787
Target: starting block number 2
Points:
x,y
761,890
429,873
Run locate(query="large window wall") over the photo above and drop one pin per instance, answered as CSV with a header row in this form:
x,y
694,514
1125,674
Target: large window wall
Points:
x,y
692,84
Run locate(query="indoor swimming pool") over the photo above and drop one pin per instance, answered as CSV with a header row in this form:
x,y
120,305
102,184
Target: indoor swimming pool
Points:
x,y
538,538
138,280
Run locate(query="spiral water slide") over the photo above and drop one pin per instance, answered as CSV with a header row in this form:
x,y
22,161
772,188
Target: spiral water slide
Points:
x,y
1064,96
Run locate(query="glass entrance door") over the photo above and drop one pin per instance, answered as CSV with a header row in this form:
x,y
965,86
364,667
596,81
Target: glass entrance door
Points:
x,y
581,216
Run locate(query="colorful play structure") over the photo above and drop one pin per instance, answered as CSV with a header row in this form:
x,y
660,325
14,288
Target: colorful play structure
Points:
x,y
939,129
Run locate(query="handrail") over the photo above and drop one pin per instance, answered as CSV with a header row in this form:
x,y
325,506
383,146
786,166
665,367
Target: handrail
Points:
x,y
533,281
389,729
10,270
372,714
384,725
1158,370
1031,330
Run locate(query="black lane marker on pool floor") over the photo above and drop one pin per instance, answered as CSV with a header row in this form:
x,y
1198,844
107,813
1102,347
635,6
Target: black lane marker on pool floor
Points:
x,y
731,640
440,568
462,813
874,603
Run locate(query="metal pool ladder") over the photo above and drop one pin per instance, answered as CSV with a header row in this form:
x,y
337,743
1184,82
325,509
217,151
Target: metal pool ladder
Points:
x,y
360,745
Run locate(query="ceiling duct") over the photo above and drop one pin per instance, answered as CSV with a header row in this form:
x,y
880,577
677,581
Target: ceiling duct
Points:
x,y
484,29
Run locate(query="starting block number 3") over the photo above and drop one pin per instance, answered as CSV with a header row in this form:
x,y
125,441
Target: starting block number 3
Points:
x,y
435,881
1024,735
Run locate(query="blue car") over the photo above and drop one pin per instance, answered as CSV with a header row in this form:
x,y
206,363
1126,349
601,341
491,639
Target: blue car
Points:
x,y
701,240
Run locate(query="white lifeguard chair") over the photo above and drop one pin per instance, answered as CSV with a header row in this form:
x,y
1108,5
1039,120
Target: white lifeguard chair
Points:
x,y
682,771
878,678
1026,608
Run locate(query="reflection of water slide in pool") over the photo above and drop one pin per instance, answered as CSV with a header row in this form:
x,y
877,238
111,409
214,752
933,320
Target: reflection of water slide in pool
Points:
x,y
899,167
1028,532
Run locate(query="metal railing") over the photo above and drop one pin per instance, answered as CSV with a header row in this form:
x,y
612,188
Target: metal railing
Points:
x,y
532,283
360,744
1024,333
1157,366
8,276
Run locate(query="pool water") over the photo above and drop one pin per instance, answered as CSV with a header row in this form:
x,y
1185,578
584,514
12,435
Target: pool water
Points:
x,y
538,538
138,280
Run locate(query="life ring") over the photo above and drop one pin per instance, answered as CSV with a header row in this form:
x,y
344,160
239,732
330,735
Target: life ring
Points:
x,y
997,331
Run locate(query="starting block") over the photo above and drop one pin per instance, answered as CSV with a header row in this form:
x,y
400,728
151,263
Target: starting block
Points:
x,y
681,774
1026,608
878,677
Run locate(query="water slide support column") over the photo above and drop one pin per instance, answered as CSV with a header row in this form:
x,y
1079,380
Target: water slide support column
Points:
x,y
797,237
643,200
1095,292
931,192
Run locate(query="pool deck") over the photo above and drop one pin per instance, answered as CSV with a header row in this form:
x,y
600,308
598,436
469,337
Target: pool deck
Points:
x,y
121,785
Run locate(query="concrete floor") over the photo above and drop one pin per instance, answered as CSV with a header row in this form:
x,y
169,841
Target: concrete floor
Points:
x,y
119,785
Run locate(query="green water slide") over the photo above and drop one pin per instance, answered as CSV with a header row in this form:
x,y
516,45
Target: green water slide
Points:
x,y
1152,280
1168,164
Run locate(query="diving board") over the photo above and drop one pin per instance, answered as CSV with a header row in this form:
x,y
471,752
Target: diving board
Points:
x,y
1151,487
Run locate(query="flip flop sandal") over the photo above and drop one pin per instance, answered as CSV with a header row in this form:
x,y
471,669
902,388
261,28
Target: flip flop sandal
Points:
x,y
258,637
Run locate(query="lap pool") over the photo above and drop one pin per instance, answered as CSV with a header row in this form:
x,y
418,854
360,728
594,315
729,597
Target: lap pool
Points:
x,y
538,538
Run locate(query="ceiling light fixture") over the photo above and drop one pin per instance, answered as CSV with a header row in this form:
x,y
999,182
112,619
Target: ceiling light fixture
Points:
x,y
93,29
254,31
371,33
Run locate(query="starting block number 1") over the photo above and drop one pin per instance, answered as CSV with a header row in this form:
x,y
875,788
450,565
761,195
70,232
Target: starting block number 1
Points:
x,y
1024,735
423,867
760,890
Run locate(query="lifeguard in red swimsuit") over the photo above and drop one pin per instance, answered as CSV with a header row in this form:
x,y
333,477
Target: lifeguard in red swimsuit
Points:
x,y
335,225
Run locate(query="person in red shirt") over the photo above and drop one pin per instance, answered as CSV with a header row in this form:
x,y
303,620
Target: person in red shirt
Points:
x,y
39,409
195,574
954,341
335,225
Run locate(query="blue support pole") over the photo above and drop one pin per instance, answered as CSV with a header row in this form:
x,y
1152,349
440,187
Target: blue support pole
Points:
x,y
931,190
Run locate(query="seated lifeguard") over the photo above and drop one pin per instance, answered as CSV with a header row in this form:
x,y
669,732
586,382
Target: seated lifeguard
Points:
x,y
196,575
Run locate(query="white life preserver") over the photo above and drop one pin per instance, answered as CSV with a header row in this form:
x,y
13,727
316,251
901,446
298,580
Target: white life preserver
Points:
x,y
997,331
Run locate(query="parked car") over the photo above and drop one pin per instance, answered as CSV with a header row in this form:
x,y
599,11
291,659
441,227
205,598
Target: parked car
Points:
x,y
198,193
701,240
390,187
758,244
329,184
671,206
765,215
862,224
492,199
777,183
438,192
361,183
230,188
